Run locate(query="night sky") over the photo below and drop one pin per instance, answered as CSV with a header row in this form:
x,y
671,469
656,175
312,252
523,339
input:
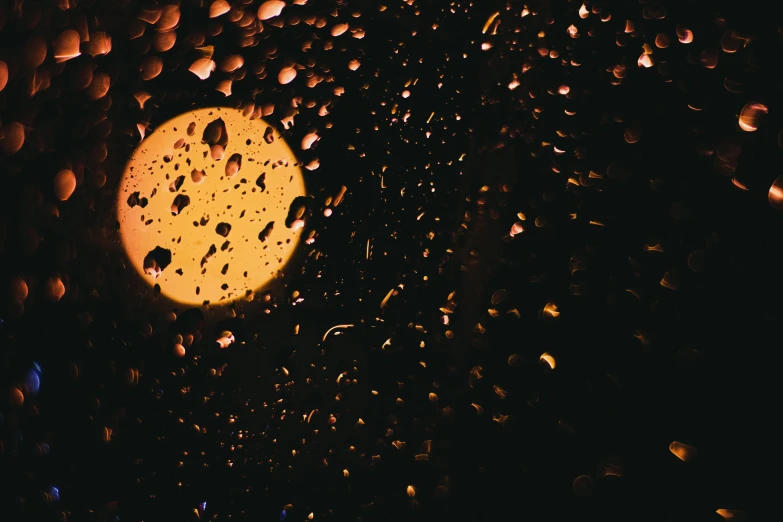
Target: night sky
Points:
x,y
537,274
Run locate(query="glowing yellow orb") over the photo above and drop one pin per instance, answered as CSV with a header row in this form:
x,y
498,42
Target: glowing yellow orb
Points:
x,y
203,205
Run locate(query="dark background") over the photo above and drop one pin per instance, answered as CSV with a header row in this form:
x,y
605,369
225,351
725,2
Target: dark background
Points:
x,y
693,364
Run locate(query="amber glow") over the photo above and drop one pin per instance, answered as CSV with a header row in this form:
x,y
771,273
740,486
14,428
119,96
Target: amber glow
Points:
x,y
207,221
776,194
751,116
730,514
550,310
548,359
682,451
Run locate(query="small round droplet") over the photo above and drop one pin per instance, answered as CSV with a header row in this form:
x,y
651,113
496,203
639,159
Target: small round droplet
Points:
x,y
34,52
584,486
776,194
55,289
16,397
232,63
499,296
19,290
751,116
217,152
66,46
151,67
548,360
197,176
12,136
99,86
270,9
339,29
219,8
286,75
3,75
64,184
169,18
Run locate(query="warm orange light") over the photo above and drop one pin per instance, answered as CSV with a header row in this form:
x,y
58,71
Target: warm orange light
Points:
x,y
776,194
730,514
16,397
286,75
550,310
684,35
66,46
3,75
219,8
682,451
64,184
209,221
751,115
549,360
270,9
